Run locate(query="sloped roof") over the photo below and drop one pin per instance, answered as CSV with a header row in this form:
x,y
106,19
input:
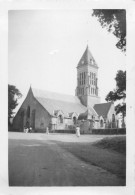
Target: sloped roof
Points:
x,y
87,58
102,109
89,114
52,101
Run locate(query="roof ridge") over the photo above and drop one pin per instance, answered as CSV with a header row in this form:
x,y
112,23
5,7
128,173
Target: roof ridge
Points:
x,y
104,103
52,92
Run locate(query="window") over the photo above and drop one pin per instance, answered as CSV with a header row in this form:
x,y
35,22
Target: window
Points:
x,y
113,118
28,112
80,78
74,120
60,118
101,123
84,77
33,118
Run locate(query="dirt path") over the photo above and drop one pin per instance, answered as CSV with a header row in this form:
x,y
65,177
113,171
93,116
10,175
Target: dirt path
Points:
x,y
44,163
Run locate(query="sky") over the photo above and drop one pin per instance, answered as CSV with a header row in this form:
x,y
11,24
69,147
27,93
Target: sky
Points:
x,y
45,46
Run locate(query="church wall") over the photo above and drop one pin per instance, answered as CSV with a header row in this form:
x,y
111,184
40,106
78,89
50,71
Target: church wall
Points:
x,y
18,122
109,117
110,113
42,117
55,124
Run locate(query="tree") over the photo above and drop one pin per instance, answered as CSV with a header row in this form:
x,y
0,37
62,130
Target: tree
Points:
x,y
114,20
13,96
119,93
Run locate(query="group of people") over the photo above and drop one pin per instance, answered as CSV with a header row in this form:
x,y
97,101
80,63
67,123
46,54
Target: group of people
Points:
x,y
27,129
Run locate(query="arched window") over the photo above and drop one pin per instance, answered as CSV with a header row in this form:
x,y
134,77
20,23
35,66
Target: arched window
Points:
x,y
28,112
74,120
33,119
101,123
60,118
84,78
80,79
113,118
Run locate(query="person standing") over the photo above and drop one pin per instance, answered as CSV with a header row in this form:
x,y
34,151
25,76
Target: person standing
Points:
x,y
47,130
78,131
30,129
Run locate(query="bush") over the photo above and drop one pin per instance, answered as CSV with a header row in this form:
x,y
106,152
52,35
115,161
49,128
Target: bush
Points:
x,y
109,131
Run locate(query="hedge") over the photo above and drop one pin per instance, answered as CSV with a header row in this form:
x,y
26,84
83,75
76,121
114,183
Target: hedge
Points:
x,y
109,131
93,131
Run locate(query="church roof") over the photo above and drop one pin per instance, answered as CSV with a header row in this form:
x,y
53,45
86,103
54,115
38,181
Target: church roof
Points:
x,y
102,109
89,114
87,59
52,101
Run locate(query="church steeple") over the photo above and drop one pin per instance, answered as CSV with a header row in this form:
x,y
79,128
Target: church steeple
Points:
x,y
87,59
87,79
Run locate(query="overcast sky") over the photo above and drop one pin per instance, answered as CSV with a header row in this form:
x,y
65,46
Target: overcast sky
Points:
x,y
46,46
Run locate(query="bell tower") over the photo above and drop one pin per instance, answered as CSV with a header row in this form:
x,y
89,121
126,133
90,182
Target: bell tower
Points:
x,y
87,80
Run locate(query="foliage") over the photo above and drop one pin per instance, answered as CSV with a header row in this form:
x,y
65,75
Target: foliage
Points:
x,y
13,96
119,93
114,20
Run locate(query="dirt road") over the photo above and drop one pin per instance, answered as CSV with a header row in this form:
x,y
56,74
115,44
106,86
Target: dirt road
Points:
x,y
42,162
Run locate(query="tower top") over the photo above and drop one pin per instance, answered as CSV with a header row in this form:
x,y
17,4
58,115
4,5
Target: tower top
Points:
x,y
87,59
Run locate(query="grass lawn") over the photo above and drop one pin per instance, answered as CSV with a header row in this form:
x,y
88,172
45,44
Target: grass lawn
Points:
x,y
117,144
108,153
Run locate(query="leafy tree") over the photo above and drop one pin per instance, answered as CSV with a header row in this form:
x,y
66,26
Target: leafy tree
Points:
x,y
114,20
13,96
119,93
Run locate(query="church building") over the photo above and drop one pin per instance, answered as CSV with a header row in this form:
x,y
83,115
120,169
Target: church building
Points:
x,y
42,109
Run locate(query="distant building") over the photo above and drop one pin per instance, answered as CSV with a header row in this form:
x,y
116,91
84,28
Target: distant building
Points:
x,y
42,109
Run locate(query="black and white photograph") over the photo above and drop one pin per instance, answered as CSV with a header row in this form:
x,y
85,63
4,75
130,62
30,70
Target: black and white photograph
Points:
x,y
67,106
62,135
